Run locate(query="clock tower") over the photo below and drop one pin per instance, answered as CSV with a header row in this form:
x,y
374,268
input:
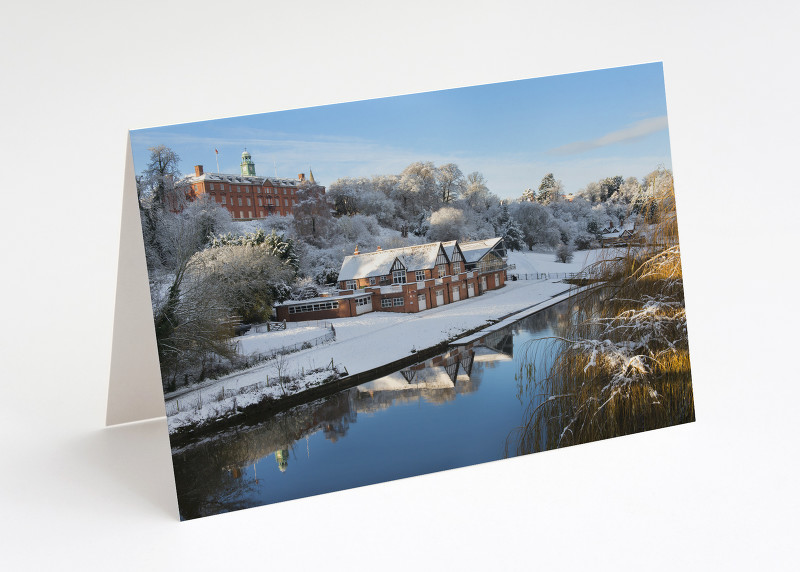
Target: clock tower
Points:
x,y
248,167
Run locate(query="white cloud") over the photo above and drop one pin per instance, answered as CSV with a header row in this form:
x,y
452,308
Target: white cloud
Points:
x,y
630,133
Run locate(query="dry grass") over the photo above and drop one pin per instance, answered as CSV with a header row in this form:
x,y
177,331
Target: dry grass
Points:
x,y
622,364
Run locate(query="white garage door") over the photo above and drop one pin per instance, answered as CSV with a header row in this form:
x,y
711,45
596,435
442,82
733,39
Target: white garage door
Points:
x,y
439,297
456,293
421,301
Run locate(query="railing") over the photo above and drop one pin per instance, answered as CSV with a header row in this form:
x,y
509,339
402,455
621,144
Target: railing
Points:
x,y
269,327
546,276
304,345
194,400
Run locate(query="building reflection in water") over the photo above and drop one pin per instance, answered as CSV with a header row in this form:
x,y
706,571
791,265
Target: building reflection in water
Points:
x,y
213,469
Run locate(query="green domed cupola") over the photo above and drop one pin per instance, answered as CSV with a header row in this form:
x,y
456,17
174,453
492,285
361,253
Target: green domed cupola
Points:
x,y
248,167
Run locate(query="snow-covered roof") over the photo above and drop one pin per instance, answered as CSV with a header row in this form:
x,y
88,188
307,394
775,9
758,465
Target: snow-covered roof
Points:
x,y
449,248
239,180
422,257
323,299
380,262
474,250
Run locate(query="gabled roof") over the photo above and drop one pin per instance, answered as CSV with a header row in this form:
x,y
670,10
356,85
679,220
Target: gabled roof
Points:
x,y
422,257
474,250
380,263
449,248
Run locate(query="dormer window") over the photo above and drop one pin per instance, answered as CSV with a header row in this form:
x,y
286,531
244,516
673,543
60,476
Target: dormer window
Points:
x,y
399,277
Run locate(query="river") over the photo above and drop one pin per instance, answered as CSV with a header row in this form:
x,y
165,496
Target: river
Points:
x,y
454,410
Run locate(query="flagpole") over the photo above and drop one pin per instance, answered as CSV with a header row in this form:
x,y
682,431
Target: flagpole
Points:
x,y
217,155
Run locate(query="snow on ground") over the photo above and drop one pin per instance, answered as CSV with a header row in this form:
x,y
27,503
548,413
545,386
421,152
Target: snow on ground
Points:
x,y
545,262
362,343
370,340
258,343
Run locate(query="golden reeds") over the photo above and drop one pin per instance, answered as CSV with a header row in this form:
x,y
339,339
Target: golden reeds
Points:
x,y
622,363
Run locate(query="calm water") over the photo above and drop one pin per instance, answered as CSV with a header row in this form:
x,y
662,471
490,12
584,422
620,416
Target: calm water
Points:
x,y
454,410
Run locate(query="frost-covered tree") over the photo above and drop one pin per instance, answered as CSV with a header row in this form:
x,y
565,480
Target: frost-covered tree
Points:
x,y
528,195
160,175
609,187
312,215
417,189
347,193
448,223
534,220
564,252
248,276
512,235
476,193
450,181
549,189
277,245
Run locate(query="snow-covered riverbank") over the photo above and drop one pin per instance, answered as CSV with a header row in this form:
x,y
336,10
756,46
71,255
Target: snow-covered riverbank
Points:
x,y
369,341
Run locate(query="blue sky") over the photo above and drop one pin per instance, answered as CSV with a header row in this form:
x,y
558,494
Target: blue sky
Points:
x,y
581,127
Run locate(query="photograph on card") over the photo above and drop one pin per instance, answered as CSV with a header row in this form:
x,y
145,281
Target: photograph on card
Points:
x,y
354,293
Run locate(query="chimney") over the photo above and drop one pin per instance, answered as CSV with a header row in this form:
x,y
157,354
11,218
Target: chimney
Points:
x,y
301,176
356,252
379,249
198,170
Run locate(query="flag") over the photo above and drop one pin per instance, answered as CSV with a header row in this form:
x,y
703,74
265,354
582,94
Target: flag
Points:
x,y
215,151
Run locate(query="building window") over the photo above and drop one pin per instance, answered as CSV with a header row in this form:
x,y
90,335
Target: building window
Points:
x,y
363,301
313,307
372,281
442,268
248,202
456,268
249,214
350,285
240,201
399,301
261,214
399,277
420,275
285,202
212,186
259,202
223,200
386,303
241,214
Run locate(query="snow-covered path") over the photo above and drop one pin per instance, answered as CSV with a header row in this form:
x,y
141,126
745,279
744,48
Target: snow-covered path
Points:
x,y
376,338
544,262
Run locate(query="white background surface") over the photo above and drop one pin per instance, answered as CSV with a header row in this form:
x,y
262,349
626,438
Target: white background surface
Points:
x,y
717,494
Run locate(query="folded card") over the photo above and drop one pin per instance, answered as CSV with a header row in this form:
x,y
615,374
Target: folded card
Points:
x,y
350,294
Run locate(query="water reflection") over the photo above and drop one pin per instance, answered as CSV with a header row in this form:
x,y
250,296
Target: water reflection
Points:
x,y
452,410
